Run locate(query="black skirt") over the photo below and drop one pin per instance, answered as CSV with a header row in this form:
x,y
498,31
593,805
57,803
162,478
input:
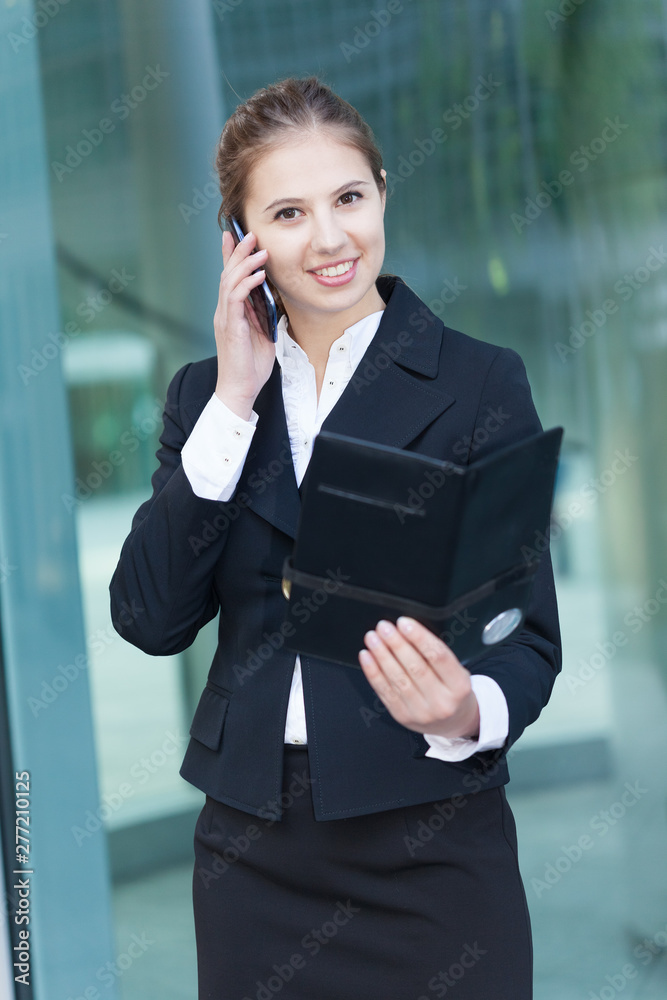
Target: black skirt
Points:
x,y
410,904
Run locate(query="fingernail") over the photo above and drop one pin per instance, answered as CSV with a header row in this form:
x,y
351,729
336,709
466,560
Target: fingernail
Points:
x,y
247,236
385,628
371,639
407,624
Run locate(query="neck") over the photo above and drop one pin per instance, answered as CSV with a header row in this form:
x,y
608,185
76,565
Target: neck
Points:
x,y
316,333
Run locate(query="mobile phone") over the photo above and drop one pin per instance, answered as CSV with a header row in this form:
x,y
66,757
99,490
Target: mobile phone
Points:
x,y
262,300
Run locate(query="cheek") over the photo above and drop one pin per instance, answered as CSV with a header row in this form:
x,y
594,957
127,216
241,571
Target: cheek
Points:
x,y
284,260
280,270
370,233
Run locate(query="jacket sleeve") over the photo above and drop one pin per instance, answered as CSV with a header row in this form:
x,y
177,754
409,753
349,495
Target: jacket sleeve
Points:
x,y
162,590
526,665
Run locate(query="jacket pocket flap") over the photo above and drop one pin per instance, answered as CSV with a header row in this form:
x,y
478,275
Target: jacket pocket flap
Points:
x,y
209,719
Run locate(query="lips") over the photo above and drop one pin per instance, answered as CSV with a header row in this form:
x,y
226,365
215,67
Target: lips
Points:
x,y
336,273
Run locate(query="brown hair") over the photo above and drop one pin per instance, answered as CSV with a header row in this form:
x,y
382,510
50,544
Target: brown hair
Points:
x,y
271,117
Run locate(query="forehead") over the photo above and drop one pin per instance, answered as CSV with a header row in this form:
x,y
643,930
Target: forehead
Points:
x,y
305,168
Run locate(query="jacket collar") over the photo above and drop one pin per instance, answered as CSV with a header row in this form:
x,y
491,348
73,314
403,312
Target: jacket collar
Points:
x,y
385,401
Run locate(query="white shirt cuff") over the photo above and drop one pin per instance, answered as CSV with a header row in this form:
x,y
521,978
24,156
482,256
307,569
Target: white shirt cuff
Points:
x,y
493,724
214,454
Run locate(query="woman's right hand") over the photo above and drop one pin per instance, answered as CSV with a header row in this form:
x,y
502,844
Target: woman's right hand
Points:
x,y
245,354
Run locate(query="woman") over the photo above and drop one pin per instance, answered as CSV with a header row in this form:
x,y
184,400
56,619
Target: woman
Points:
x,y
356,841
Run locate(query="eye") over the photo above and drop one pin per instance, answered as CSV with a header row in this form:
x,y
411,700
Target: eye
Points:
x,y
287,213
350,197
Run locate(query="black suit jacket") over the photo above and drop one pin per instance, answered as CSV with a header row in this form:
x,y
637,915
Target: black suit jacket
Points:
x,y
419,386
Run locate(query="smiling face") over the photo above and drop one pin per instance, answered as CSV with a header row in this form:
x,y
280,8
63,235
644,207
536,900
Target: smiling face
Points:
x,y
314,205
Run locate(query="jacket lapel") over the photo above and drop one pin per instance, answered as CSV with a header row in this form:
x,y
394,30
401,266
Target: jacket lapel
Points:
x,y
268,477
390,400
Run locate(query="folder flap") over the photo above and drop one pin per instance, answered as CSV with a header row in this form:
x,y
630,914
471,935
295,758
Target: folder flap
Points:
x,y
400,522
403,533
372,511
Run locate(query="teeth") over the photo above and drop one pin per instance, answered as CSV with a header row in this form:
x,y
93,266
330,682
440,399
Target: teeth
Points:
x,y
332,272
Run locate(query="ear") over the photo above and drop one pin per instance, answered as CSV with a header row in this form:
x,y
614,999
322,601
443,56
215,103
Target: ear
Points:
x,y
383,173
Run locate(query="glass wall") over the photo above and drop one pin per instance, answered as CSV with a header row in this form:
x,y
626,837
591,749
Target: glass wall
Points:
x,y
525,146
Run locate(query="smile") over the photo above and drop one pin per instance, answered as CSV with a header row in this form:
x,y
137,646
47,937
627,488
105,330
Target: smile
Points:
x,y
336,274
332,272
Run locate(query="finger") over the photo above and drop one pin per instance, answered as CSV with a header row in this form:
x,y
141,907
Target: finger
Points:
x,y
244,285
375,676
241,274
390,678
407,707
239,268
401,662
432,648
442,661
227,247
426,665
253,319
233,248
415,704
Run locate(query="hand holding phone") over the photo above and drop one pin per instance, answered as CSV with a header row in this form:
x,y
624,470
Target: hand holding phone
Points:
x,y
261,298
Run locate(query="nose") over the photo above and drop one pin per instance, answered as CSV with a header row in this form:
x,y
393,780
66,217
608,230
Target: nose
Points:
x,y
328,237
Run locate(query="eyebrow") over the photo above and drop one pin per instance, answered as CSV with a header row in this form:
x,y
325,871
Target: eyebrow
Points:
x,y
299,201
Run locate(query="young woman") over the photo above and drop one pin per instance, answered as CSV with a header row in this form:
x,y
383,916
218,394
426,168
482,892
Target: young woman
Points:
x,y
356,842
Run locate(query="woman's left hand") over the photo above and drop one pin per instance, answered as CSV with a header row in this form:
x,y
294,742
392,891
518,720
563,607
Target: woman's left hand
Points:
x,y
420,680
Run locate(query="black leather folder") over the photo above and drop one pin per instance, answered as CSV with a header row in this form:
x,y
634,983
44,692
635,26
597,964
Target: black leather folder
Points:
x,y
385,532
